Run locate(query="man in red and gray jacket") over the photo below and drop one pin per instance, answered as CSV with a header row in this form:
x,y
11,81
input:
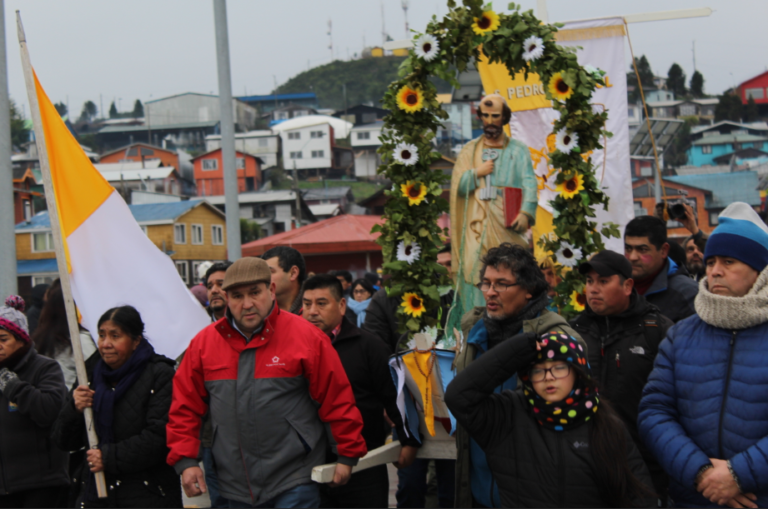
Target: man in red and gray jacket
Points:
x,y
274,384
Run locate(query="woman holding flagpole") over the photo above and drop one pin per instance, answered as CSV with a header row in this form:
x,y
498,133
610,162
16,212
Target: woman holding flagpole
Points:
x,y
130,393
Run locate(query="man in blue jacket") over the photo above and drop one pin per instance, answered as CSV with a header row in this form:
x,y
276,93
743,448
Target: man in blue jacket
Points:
x,y
704,411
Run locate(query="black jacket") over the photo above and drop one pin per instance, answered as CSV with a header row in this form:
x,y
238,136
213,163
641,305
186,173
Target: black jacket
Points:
x,y
135,467
533,466
366,361
622,349
673,292
28,409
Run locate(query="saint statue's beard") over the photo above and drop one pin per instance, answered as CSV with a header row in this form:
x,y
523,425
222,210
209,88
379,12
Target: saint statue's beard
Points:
x,y
492,131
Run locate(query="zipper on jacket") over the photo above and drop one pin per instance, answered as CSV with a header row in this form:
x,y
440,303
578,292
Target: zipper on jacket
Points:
x,y
725,397
561,468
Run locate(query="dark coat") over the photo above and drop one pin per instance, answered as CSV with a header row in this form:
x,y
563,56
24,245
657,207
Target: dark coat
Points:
x,y
673,292
622,349
707,397
28,409
135,468
366,361
533,466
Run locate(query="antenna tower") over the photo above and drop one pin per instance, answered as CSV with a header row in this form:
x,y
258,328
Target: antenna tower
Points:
x,y
383,30
405,13
330,38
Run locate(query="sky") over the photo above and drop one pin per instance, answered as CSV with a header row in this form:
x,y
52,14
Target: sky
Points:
x,y
105,50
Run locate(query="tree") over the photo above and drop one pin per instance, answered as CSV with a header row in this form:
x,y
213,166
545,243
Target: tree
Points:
x,y
677,153
19,131
751,114
729,108
249,231
113,110
138,109
61,108
646,77
89,110
697,84
676,80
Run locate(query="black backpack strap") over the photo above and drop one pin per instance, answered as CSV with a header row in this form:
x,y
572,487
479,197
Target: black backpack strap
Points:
x,y
653,330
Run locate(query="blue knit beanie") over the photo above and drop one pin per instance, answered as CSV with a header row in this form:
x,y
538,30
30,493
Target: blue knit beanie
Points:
x,y
741,235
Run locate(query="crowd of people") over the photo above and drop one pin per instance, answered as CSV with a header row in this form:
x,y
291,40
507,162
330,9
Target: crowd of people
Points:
x,y
655,395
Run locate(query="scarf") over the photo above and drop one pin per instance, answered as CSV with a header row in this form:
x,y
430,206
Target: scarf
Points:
x,y
359,309
734,312
123,377
578,407
16,357
499,330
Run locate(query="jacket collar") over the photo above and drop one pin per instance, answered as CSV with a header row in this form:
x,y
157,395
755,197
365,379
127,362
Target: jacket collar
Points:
x,y
348,331
661,281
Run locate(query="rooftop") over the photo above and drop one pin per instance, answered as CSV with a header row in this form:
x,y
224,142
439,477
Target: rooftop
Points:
x,y
256,197
158,127
726,187
278,97
326,209
720,139
373,125
327,193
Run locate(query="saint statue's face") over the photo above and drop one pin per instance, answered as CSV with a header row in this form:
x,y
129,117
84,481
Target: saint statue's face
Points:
x,y
491,113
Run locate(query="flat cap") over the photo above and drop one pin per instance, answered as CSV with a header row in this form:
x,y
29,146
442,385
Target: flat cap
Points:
x,y
248,270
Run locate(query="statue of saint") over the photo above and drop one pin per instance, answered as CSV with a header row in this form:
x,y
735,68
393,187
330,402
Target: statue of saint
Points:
x,y
484,168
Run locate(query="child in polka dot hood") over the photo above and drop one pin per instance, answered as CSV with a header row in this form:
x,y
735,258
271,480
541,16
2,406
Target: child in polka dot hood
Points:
x,y
581,402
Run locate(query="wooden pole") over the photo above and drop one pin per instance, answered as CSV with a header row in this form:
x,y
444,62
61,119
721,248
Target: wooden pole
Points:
x,y
58,242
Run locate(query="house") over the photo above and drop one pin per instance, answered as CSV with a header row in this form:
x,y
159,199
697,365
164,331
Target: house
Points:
x,y
365,143
457,129
273,211
756,88
326,210
288,112
726,188
644,200
189,232
139,152
711,145
209,173
266,103
191,107
703,109
341,196
312,150
141,176
361,114
189,136
263,144
729,127
343,242
23,195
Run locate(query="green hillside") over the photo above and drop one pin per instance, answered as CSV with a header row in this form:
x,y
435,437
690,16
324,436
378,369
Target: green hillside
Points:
x,y
366,79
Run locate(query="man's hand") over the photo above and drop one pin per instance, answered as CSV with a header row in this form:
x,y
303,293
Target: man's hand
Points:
x,y
689,221
743,500
83,397
520,224
717,484
193,482
485,169
95,463
341,475
407,455
389,421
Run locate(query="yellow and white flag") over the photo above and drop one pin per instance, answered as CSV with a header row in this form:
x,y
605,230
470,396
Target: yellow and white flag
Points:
x,y
110,259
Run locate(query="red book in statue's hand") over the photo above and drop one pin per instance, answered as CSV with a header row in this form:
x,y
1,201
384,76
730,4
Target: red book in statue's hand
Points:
x,y
513,200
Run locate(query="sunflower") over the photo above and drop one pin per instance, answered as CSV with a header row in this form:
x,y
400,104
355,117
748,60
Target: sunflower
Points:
x,y
571,187
406,153
413,305
578,301
568,255
426,47
409,99
566,141
414,191
533,48
558,88
487,22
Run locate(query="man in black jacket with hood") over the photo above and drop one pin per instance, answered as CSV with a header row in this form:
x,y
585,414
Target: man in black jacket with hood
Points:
x,y
622,331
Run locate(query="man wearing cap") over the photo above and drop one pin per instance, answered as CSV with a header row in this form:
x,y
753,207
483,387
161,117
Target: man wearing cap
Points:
x,y
623,332
704,411
274,385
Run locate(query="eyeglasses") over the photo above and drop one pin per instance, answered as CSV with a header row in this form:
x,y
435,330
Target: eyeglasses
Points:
x,y
559,371
498,287
360,291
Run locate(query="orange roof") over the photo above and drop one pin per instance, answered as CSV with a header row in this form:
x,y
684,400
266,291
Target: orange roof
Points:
x,y
341,234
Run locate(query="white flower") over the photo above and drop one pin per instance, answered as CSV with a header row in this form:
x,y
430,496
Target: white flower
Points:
x,y
566,141
533,48
426,47
408,252
567,255
594,71
406,153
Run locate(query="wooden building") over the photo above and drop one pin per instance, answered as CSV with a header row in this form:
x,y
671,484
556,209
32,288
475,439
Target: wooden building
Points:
x,y
209,173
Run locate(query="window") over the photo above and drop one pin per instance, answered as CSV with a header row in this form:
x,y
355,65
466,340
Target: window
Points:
x,y
147,151
318,153
240,163
316,134
263,142
210,164
294,136
646,171
181,267
132,152
754,93
706,149
197,234
687,110
28,207
180,233
42,280
369,118
42,242
713,219
364,136
195,276
296,155
217,234
631,112
281,115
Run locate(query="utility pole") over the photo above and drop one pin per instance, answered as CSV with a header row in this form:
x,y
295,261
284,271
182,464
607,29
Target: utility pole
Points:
x,y
330,38
7,222
694,56
383,30
298,193
234,251
404,4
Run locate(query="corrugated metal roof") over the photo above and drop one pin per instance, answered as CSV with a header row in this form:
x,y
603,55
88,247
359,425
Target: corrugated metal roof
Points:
x,y
158,127
279,97
728,138
726,187
255,197
328,193
30,267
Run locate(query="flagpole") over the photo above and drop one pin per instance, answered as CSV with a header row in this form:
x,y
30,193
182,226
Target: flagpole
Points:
x,y
58,242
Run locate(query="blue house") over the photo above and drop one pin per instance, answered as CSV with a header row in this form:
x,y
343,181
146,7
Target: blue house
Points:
x,y
726,188
704,150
